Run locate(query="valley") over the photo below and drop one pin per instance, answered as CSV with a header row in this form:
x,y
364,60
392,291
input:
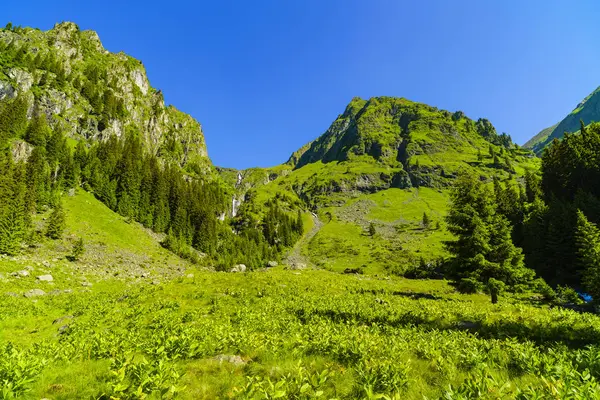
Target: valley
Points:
x,y
407,252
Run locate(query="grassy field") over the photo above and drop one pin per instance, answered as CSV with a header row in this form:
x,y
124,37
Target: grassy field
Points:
x,y
400,239
130,321
289,334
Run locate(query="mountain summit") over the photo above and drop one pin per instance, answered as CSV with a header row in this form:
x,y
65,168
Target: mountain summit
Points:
x,y
588,111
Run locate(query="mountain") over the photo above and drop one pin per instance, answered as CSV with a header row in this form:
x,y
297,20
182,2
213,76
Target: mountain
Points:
x,y
91,93
384,161
588,111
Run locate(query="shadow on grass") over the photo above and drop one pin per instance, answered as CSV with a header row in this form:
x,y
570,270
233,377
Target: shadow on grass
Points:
x,y
540,332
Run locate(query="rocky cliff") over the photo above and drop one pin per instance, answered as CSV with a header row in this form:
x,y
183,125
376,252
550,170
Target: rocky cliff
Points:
x,y
91,93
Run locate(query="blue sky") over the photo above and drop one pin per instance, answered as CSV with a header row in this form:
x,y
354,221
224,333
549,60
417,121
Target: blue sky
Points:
x,y
265,77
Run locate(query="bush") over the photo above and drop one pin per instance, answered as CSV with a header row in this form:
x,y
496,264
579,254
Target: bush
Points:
x,y
425,270
540,286
565,294
468,286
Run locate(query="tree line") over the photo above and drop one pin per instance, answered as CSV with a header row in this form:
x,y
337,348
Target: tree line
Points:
x,y
134,183
545,224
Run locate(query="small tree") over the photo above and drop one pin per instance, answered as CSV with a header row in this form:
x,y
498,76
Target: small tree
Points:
x,y
426,220
587,238
372,230
479,156
495,287
56,222
78,250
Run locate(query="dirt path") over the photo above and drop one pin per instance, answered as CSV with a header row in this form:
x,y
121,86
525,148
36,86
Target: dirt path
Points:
x,y
295,259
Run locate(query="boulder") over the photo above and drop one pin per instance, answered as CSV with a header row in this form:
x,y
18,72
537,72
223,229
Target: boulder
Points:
x,y
235,360
34,293
238,268
45,278
297,265
272,264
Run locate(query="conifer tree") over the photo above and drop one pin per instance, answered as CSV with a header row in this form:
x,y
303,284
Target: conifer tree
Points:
x,y
56,222
372,230
78,250
483,248
38,131
13,213
588,252
426,221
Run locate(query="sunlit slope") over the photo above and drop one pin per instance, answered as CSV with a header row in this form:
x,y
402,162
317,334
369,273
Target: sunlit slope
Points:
x,y
114,246
387,161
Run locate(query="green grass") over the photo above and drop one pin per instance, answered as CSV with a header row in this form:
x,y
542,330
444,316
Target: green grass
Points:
x,y
114,246
401,240
296,333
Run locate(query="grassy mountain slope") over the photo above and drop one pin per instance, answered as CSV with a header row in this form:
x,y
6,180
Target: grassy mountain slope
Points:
x,y
587,111
91,93
114,246
386,161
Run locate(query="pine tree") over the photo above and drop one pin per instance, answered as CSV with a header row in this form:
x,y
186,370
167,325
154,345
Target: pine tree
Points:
x,y
299,224
13,118
38,131
588,251
56,222
13,213
483,248
78,250
372,230
426,221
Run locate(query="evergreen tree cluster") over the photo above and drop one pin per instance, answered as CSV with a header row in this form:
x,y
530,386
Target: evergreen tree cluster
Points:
x,y
485,128
133,183
483,252
565,204
551,215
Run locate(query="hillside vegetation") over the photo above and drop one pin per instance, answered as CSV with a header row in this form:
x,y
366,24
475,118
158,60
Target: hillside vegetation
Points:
x,y
588,111
385,162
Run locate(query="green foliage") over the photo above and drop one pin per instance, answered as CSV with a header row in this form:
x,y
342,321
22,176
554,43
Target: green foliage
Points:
x,y
426,221
56,222
13,118
483,248
587,239
37,131
317,335
372,230
13,212
78,250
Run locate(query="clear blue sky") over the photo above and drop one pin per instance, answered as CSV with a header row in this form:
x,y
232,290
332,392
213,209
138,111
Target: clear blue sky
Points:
x,y
265,77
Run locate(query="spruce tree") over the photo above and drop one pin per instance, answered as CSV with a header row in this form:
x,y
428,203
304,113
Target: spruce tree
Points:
x,y
78,250
426,221
372,230
56,222
13,213
588,251
483,248
38,131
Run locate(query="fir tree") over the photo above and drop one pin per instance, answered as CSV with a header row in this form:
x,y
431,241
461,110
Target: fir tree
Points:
x,y
483,248
426,221
372,230
78,250
588,252
56,222
38,131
